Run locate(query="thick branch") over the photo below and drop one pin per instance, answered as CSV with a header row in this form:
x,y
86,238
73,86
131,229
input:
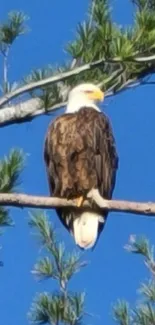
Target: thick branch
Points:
x,y
25,111
23,200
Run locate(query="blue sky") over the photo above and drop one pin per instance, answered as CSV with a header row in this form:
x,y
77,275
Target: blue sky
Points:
x,y
112,272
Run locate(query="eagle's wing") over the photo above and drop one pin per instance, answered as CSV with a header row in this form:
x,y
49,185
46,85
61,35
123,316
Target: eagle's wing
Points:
x,y
53,162
49,162
106,158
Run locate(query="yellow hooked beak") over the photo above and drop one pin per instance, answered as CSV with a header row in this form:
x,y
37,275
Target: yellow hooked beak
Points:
x,y
97,95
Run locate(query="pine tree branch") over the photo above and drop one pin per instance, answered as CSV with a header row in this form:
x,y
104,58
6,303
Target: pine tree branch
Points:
x,y
65,75
24,200
92,13
50,80
27,110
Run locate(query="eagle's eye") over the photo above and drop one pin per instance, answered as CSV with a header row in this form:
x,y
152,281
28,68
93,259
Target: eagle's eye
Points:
x,y
88,91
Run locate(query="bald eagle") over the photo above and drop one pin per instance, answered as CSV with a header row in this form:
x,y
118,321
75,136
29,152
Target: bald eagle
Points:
x,y
80,155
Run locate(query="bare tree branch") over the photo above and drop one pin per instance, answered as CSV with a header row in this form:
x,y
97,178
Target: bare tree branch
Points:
x,y
24,200
25,111
18,112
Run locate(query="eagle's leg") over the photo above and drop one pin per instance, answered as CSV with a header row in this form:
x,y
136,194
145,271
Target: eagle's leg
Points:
x,y
79,201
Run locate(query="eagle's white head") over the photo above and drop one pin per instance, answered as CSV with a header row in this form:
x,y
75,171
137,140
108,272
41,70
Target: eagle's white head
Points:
x,y
84,95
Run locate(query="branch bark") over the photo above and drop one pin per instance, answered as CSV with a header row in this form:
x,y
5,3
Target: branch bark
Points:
x,y
29,201
25,111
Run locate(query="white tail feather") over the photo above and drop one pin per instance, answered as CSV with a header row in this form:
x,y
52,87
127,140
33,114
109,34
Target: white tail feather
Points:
x,y
85,229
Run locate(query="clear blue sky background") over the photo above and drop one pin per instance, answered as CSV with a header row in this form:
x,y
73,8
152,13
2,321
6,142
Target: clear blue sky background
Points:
x,y
112,272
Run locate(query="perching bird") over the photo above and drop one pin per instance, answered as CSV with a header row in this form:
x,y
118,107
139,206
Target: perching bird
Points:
x,y
80,155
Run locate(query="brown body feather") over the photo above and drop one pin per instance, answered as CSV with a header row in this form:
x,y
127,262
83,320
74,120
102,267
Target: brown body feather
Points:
x,y
80,154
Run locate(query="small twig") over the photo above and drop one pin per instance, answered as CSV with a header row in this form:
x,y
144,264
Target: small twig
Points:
x,y
145,59
24,200
92,13
5,68
114,76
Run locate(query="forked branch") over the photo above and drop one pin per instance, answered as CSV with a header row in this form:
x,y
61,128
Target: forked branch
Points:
x,y
65,75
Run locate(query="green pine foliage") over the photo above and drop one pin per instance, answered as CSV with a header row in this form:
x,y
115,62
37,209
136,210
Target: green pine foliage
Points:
x,y
65,307
143,313
49,95
11,167
10,30
61,306
97,37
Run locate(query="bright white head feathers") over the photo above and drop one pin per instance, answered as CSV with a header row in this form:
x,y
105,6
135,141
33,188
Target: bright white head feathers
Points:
x,y
84,95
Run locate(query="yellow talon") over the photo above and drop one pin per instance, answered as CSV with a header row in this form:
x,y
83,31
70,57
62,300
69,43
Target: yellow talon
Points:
x,y
79,201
